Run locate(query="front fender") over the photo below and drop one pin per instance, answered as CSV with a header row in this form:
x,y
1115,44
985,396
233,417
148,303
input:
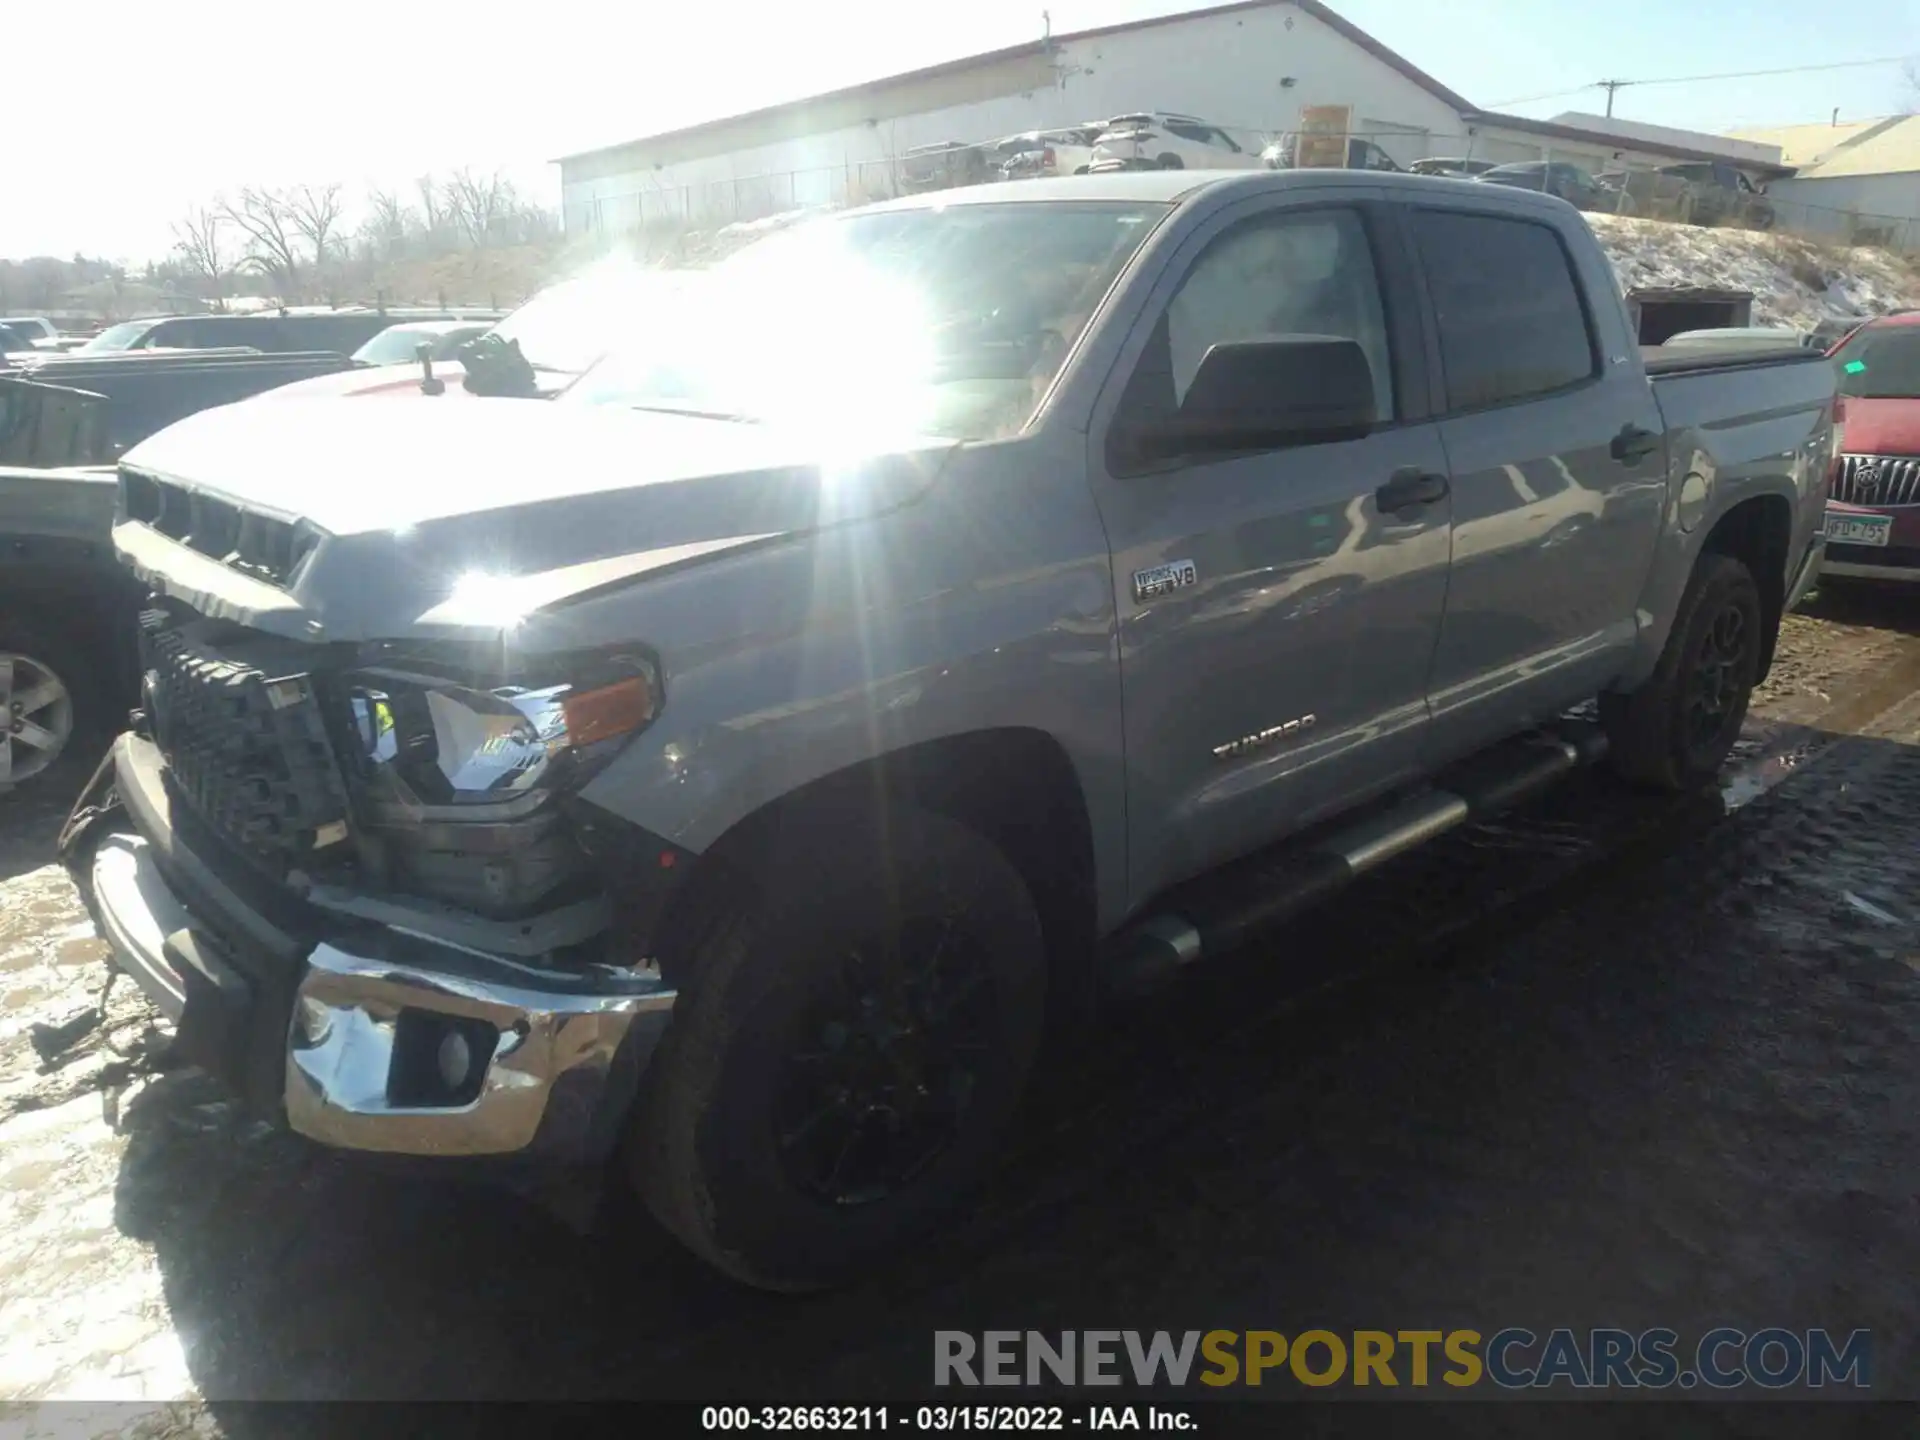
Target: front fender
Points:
x,y
986,605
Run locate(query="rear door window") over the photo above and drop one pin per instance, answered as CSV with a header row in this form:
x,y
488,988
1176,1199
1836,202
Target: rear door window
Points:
x,y
1508,307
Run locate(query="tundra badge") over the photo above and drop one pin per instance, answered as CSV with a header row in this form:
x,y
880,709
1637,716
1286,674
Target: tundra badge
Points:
x,y
1162,579
1260,739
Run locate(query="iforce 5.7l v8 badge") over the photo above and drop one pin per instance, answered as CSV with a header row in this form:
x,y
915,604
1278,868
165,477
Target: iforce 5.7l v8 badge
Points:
x,y
1163,579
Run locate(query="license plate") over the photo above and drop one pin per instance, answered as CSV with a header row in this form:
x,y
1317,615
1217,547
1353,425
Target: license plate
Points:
x,y
1859,529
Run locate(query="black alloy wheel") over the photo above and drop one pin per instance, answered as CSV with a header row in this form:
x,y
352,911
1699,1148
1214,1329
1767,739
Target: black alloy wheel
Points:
x,y
886,1063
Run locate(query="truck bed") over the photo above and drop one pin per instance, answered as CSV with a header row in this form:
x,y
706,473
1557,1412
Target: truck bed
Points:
x,y
1688,360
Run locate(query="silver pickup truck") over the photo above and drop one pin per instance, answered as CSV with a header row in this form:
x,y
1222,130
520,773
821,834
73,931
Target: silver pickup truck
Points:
x,y
719,772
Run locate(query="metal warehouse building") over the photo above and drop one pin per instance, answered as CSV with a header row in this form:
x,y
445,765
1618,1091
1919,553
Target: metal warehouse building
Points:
x,y
1248,67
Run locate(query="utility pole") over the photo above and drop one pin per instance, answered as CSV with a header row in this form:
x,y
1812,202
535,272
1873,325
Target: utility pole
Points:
x,y
1610,86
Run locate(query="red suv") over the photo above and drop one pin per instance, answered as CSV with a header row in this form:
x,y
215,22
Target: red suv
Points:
x,y
1873,507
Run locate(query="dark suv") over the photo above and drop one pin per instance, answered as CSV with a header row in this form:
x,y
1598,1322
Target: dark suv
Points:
x,y
341,331
1569,182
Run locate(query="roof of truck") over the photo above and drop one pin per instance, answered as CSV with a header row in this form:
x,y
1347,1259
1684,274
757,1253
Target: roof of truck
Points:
x,y
1168,187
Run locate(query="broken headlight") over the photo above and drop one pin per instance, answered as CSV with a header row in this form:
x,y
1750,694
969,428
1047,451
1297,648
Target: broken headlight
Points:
x,y
446,750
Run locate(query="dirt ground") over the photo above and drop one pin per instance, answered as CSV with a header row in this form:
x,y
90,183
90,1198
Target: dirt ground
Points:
x,y
1608,1061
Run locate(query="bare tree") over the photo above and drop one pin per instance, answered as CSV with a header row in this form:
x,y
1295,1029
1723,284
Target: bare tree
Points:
x,y
385,227
478,203
198,240
433,209
314,213
272,235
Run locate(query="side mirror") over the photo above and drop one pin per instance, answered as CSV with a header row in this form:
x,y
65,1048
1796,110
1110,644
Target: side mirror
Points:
x,y
1266,394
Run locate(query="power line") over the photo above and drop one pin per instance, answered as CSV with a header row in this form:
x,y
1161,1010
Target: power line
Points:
x,y
1612,85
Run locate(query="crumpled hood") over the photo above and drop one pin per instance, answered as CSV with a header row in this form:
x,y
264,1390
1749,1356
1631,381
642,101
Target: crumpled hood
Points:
x,y
393,380
1881,427
411,502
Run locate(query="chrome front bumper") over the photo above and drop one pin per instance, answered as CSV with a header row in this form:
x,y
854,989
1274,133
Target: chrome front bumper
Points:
x,y
556,1057
552,1057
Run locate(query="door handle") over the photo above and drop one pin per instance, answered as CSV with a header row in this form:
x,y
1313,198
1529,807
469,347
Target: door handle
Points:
x,y
1410,487
1632,444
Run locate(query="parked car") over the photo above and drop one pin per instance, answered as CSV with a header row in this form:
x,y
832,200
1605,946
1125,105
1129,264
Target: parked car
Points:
x,y
147,390
16,342
944,165
1049,152
1703,193
400,344
1873,517
1569,182
34,329
1447,167
69,665
558,335
1723,194
275,332
1361,154
723,771
1157,140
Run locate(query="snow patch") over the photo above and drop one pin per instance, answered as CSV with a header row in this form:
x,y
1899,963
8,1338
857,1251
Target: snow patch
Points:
x,y
1794,282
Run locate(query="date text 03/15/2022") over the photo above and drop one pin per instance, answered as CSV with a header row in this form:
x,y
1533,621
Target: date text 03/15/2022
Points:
x,y
944,1418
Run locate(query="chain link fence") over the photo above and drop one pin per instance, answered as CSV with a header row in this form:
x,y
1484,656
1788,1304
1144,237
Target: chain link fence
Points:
x,y
1598,180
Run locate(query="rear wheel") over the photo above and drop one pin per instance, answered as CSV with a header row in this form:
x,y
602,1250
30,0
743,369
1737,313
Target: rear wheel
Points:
x,y
854,1038
1675,731
1171,162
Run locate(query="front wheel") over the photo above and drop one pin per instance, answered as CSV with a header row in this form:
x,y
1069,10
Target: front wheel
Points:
x,y
1171,162
1677,729
854,1036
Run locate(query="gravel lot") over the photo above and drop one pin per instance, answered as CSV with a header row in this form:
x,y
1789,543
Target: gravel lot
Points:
x,y
1611,1061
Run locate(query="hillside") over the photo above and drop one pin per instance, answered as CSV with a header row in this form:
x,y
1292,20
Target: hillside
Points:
x,y
1794,282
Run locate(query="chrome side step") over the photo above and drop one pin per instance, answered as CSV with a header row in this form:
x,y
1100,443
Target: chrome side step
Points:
x,y
1218,912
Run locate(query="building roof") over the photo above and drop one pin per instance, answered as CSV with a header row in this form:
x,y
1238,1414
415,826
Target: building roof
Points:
x,y
1555,130
1887,146
1314,8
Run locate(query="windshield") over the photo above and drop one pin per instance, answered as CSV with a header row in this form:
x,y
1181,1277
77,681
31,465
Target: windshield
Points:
x,y
1881,362
569,326
123,336
948,321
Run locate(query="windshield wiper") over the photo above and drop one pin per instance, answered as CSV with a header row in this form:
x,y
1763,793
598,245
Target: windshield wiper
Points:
x,y
697,413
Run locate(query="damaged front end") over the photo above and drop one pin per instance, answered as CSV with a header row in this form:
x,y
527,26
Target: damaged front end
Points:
x,y
358,878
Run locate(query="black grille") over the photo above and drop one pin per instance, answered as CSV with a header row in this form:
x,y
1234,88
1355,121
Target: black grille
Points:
x,y
1889,480
262,546
246,750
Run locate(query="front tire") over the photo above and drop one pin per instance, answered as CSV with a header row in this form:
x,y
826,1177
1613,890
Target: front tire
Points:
x,y
857,1029
1676,731
1171,162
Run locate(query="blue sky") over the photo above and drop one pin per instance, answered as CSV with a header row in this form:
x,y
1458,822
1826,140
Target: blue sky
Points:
x,y
1496,50
380,91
